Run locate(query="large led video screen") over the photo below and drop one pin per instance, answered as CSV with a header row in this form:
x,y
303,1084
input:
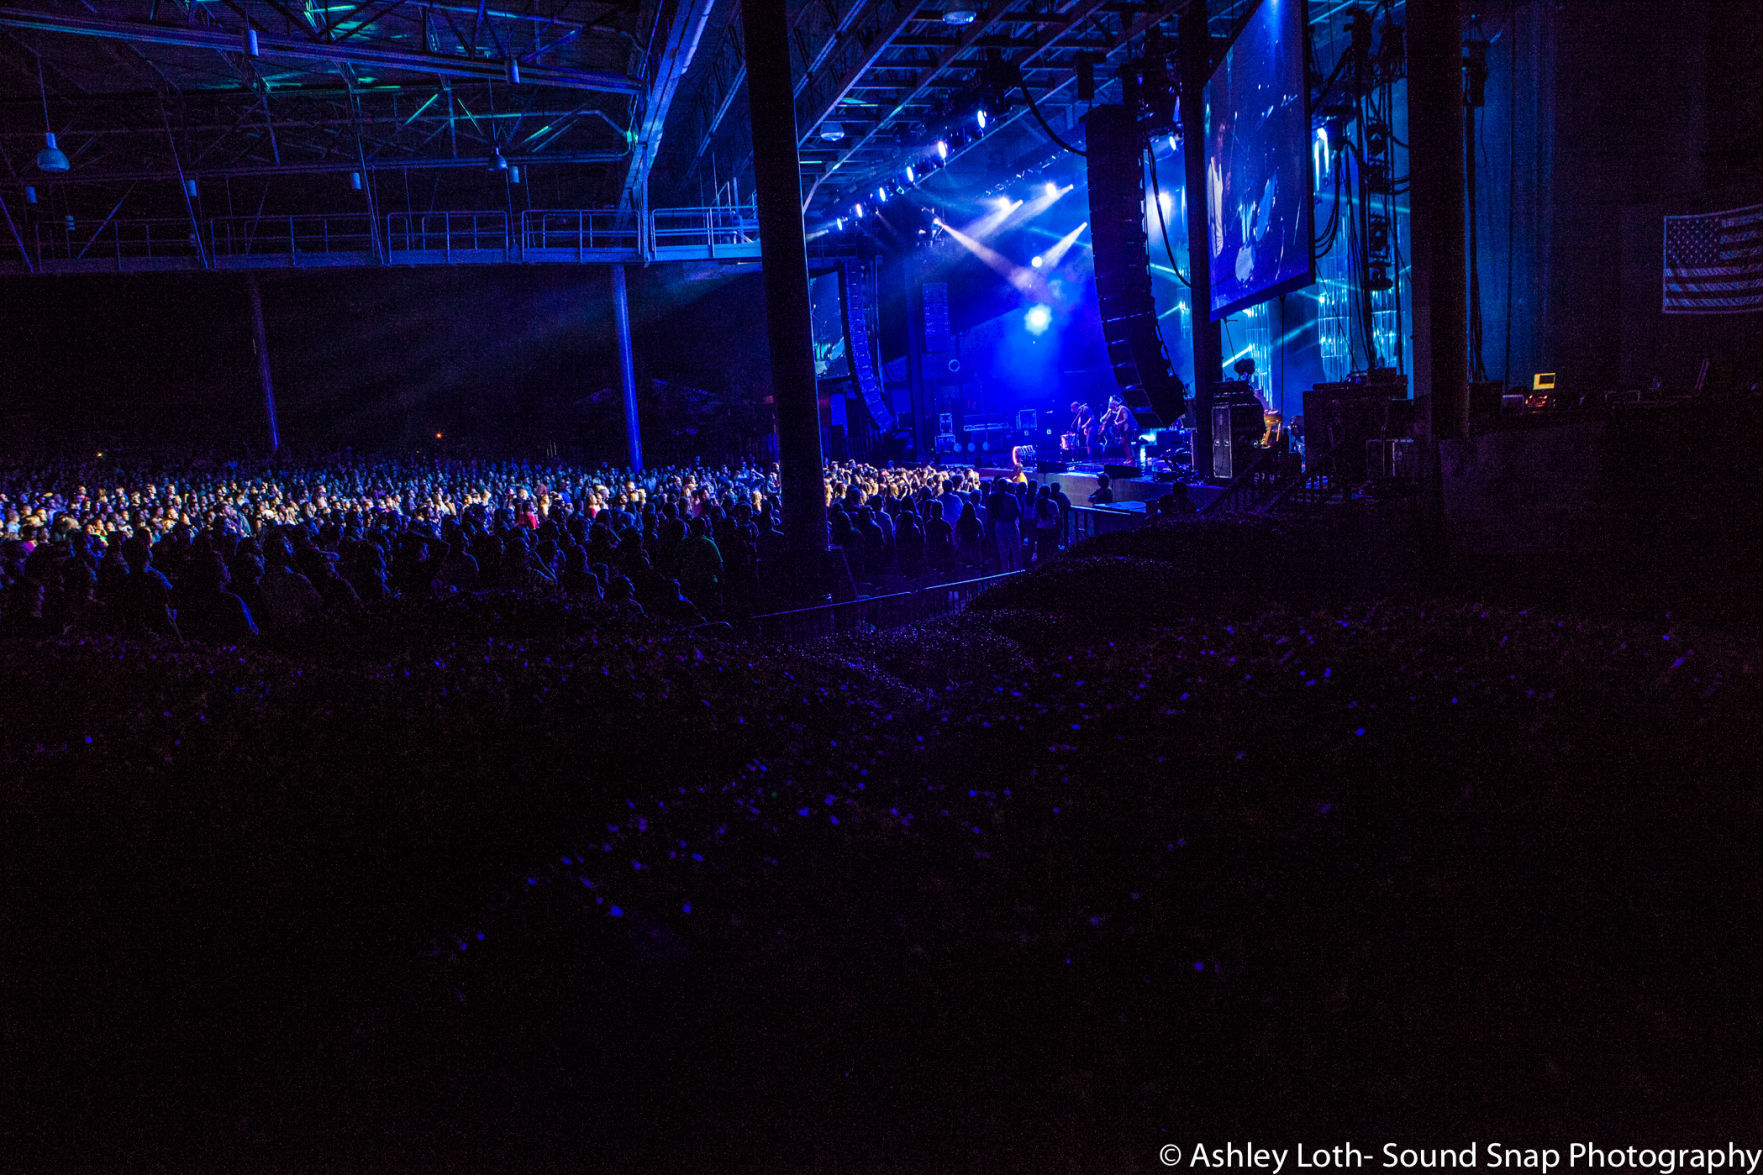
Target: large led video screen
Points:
x,y
1258,162
826,303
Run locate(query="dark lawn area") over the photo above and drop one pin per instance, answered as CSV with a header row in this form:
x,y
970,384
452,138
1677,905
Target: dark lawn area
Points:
x,y
1187,837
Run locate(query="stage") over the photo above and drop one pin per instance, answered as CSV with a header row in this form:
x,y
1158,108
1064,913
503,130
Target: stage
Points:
x,y
1081,479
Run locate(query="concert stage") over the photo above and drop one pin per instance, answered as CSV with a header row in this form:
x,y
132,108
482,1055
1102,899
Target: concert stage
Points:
x,y
1081,480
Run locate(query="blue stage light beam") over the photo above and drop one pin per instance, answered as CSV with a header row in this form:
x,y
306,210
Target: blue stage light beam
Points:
x,y
991,222
1011,214
1019,276
1051,258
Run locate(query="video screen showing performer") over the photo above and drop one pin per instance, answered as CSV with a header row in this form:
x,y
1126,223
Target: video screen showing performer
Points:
x,y
826,302
1258,162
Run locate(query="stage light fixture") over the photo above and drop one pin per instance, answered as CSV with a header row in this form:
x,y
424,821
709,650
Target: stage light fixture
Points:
x,y
942,149
882,195
910,178
514,175
252,49
832,132
190,188
959,15
30,194
1038,319
497,161
355,181
858,209
1052,190
1036,262
52,158
979,116
514,71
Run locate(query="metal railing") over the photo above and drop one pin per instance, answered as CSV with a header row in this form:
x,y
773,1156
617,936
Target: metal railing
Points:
x,y
801,625
1242,490
728,231
579,236
1084,522
293,237
115,241
1317,486
448,233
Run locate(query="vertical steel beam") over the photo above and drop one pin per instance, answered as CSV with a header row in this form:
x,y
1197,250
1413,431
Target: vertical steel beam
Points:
x,y
1196,65
784,255
1439,291
627,370
30,266
909,272
260,343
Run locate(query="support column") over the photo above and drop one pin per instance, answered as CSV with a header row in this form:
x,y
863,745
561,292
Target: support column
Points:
x,y
1436,168
627,371
915,352
783,252
1196,64
260,344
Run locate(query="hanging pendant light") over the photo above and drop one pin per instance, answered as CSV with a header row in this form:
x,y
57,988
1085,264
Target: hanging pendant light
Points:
x,y
51,158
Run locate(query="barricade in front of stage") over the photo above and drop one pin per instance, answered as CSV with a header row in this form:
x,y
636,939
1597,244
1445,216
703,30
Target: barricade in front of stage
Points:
x,y
801,625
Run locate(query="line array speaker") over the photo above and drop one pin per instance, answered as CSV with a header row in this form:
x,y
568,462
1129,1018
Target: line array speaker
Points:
x,y
1122,252
857,300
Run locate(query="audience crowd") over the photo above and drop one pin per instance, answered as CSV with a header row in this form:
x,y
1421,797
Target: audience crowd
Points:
x,y
222,553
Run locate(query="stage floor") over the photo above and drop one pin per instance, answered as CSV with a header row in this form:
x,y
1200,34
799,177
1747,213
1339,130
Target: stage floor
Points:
x,y
1081,480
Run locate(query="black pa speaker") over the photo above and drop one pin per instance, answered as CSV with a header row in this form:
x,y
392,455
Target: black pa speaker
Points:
x,y
1122,255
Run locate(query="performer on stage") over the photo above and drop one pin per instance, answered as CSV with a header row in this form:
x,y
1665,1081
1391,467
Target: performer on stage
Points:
x,y
1116,428
1083,428
1272,434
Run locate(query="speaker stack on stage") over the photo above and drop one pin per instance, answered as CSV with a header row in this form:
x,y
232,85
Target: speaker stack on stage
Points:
x,y
1148,384
1237,426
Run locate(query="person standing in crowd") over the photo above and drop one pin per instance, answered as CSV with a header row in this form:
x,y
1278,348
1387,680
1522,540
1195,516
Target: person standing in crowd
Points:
x,y
700,566
1046,525
1004,513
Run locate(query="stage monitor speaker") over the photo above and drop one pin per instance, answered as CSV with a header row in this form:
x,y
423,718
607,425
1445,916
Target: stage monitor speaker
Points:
x,y
1122,255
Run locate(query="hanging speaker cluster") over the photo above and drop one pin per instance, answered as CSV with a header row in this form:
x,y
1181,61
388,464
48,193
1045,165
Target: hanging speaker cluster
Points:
x,y
1122,253
858,280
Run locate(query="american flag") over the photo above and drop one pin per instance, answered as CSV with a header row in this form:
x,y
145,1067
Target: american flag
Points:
x,y
1714,264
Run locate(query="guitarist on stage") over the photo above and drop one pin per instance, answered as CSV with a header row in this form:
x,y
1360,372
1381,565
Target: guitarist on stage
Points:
x,y
1116,427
